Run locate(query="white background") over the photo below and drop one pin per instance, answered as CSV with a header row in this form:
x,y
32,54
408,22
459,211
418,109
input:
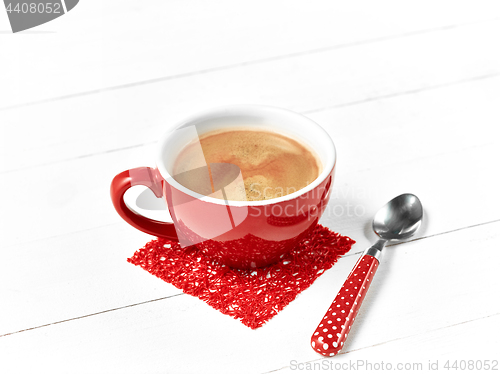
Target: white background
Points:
x,y
409,92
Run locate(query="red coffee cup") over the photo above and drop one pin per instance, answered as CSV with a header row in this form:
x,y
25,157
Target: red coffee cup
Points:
x,y
240,234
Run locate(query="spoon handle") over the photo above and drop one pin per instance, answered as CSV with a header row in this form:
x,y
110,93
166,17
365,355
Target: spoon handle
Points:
x,y
332,331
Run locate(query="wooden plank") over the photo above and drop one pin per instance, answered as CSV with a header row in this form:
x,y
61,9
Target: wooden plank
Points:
x,y
97,46
451,196
139,115
450,278
71,276
418,352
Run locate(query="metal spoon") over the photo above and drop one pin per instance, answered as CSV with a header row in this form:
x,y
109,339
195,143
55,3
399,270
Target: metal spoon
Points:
x,y
397,220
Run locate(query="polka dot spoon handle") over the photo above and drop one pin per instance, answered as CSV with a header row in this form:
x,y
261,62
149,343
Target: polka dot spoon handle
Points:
x,y
331,333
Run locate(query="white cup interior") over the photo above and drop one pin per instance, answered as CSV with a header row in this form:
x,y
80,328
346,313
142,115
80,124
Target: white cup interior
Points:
x,y
288,123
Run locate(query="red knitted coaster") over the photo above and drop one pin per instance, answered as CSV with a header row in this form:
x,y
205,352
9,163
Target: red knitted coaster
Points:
x,y
251,296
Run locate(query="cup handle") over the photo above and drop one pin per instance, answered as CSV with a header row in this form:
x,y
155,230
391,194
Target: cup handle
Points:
x,y
140,176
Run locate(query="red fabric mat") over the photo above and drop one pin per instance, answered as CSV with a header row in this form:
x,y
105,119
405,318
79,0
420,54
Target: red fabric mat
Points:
x,y
251,296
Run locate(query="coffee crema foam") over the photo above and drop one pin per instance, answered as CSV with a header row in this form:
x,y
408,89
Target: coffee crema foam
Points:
x,y
272,165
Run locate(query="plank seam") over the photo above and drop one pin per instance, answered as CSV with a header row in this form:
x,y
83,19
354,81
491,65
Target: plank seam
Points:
x,y
430,236
90,315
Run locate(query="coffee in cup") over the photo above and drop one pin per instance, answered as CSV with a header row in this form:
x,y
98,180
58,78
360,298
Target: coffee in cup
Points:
x,y
272,164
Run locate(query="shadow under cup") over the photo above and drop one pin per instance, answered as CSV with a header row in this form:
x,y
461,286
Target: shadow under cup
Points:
x,y
244,234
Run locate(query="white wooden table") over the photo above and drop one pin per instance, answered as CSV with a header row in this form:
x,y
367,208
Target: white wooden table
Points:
x,y
409,92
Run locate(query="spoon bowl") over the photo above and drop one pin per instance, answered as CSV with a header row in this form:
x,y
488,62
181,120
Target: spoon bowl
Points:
x,y
400,218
